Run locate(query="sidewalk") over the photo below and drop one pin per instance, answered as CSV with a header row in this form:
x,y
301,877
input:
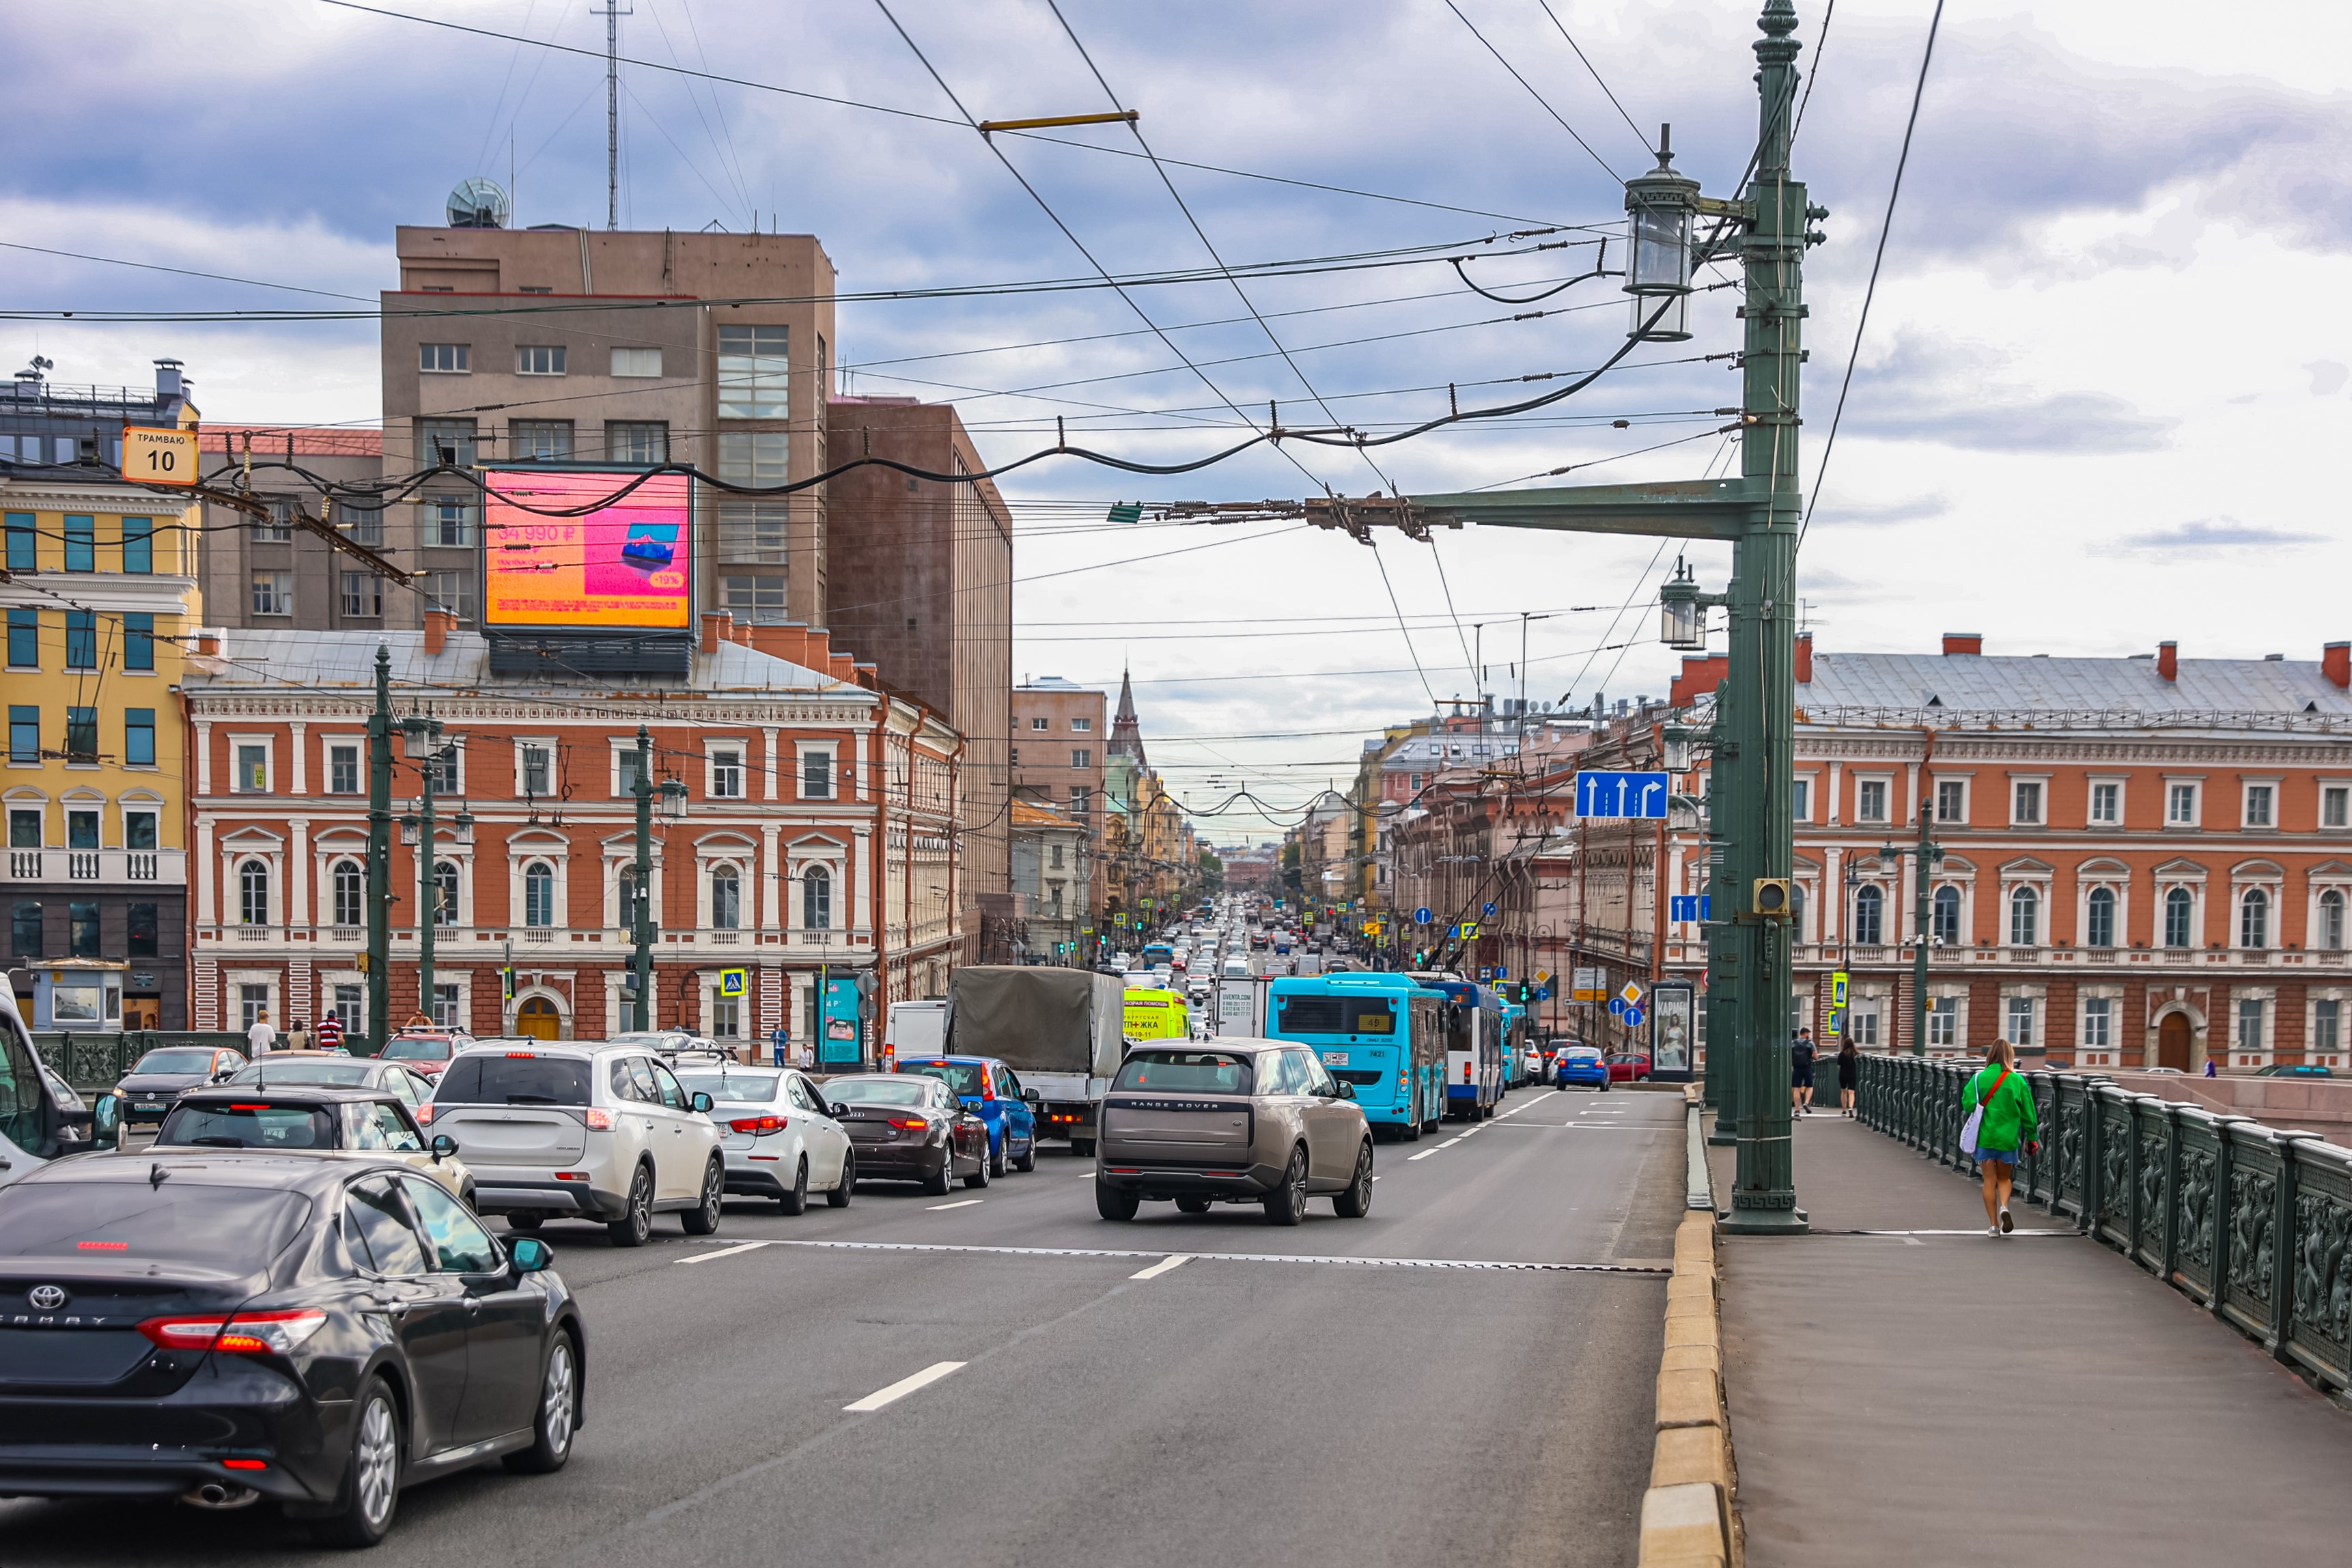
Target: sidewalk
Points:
x,y
2036,1400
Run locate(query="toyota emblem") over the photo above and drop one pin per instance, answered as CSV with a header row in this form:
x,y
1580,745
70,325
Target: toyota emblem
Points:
x,y
47,1298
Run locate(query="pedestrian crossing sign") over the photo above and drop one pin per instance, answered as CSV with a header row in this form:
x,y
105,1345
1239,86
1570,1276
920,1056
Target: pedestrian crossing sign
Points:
x,y
730,983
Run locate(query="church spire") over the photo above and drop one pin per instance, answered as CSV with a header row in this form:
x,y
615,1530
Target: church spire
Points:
x,y
1126,730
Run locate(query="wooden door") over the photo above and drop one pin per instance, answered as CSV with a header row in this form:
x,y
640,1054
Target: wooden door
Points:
x,y
2172,1034
536,1019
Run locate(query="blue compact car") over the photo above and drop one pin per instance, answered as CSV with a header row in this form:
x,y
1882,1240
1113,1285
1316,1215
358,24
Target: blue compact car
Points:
x,y
987,1085
1581,1065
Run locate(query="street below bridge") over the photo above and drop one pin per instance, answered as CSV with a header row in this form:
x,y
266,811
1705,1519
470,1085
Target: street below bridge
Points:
x,y
1466,1373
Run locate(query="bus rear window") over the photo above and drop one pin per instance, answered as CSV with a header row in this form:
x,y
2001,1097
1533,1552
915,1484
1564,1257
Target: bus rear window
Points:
x,y
1337,1015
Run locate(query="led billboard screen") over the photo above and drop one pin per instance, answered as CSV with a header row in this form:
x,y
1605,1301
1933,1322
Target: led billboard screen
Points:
x,y
625,565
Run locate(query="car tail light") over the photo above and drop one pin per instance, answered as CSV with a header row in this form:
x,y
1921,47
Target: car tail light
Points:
x,y
756,1123
525,1056
908,1122
244,1464
245,1333
424,1114
570,1175
235,1105
599,1118
1465,1073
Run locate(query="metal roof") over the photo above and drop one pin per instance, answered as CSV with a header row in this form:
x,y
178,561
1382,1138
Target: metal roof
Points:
x,y
274,659
2104,693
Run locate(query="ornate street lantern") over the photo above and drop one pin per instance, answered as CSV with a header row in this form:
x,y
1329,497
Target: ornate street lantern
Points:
x,y
1659,209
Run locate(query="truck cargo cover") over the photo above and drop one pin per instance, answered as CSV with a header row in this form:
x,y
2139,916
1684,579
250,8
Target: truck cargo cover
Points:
x,y
1038,1019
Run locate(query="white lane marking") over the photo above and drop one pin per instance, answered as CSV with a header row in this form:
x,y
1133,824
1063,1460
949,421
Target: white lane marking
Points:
x,y
965,1203
727,1251
1658,1268
1174,1260
1913,1241
1376,1178
1425,1154
1450,1142
905,1386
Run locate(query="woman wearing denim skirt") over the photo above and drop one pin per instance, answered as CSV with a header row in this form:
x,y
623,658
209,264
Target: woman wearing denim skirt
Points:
x,y
2007,1125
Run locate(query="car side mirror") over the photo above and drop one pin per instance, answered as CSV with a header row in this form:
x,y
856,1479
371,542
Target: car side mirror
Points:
x,y
701,1101
530,1254
837,1109
442,1147
1033,1097
106,1121
1347,1091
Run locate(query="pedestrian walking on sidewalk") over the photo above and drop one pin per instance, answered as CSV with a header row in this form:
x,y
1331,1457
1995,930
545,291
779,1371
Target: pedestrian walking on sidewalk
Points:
x,y
2000,1108
1849,1062
1800,1074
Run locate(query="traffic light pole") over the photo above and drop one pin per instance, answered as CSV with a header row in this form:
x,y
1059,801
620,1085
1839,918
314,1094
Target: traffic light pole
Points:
x,y
379,856
428,889
641,927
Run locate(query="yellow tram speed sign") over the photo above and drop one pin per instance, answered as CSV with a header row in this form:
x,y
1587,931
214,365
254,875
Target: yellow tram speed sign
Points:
x,y
154,457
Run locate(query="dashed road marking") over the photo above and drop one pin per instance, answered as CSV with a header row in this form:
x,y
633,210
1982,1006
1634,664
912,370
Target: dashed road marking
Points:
x,y
1174,1260
961,1204
727,1251
1660,1266
1425,1154
905,1386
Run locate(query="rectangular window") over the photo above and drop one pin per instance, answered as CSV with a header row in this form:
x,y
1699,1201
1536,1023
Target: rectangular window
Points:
x,y
139,641
81,639
1951,800
81,829
637,441
444,997
139,929
362,595
636,361
2335,803
81,543
25,931
1082,726
445,781
2180,806
449,522
1800,800
1015,758
541,359
541,439
538,771
252,770
343,768
139,545
81,734
139,737
24,639
1870,801
2326,1024
350,1007
139,830
754,601
23,540
2026,803
627,785
25,827
1943,1022
816,775
363,523
451,590
759,457
2107,802
252,1002
1861,1025
446,442
82,930
2250,1024
1082,801
1082,757
754,530
2258,806
280,528
727,775
754,372
24,733
1041,723
273,593
2020,1020
444,359
2098,1018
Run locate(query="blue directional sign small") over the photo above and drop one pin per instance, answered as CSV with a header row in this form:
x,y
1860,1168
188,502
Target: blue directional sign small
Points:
x,y
1421,915
1689,906
1614,794
1489,911
1633,1016
1543,993
1616,1006
1501,972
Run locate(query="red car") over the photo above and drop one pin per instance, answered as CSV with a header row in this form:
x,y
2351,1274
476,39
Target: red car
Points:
x,y
1627,1067
427,1053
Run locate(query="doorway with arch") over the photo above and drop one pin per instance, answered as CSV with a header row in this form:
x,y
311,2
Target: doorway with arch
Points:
x,y
537,1019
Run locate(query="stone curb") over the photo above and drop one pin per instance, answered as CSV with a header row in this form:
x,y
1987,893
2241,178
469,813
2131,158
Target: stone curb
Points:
x,y
1688,1516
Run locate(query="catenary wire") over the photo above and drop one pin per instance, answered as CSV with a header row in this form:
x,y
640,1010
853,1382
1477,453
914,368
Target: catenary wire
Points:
x,y
1538,96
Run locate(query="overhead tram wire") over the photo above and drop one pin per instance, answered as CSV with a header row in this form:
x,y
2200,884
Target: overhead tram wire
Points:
x,y
1603,86
1540,98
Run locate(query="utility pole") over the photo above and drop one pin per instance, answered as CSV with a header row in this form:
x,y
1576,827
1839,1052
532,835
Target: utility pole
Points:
x,y
1925,857
641,925
379,856
612,13
1758,513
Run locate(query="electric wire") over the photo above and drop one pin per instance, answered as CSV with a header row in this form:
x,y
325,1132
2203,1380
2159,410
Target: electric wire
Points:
x,y
1538,96
1596,74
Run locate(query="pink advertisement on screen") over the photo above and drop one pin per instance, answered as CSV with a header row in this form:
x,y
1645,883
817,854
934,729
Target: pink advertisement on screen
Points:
x,y
625,564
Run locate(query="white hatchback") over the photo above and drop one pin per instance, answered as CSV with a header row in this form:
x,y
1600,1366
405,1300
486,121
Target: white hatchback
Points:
x,y
582,1130
780,1141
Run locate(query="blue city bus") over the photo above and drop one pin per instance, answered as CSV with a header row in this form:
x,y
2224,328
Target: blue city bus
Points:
x,y
1474,1045
1380,1034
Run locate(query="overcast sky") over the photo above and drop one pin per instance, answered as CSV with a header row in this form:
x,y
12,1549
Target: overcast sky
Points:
x,y
2110,354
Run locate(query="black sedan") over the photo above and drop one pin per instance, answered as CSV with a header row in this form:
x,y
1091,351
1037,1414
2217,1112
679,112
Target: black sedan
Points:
x,y
227,1327
908,1128
161,1077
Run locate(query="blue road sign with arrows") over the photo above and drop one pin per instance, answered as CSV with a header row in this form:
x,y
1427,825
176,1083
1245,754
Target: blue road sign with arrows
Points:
x,y
1613,795
1633,1017
1543,993
1689,906
1420,916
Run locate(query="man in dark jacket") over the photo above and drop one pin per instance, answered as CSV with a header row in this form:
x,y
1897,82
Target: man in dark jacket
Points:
x,y
1800,1074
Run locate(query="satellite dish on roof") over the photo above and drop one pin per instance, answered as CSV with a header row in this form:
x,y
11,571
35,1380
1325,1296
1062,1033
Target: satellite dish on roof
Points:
x,y
478,202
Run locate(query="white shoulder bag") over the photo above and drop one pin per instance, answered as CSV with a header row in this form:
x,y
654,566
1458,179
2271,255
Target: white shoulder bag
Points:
x,y
1975,1123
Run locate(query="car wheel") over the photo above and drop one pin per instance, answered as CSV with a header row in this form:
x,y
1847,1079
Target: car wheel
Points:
x,y
1357,1201
1192,1206
526,1223
840,1195
937,1183
559,1413
372,1484
796,1200
636,1226
1286,1205
1112,1203
997,1155
466,1196
981,1172
1411,1131
1028,1160
703,1218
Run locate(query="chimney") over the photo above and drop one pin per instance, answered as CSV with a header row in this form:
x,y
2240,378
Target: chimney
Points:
x,y
2168,661
1804,658
2336,663
716,628
168,386
208,641
439,623
1963,642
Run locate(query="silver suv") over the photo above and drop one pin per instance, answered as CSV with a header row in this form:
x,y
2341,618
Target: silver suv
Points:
x,y
582,1130
1247,1122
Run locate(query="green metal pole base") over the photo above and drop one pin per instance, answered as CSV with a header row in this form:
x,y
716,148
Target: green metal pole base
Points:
x,y
1764,1221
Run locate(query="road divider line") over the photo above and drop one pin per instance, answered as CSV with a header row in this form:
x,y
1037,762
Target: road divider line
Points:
x,y
903,1386
1502,1265
727,1251
1450,1141
1174,1260
1425,1154
961,1204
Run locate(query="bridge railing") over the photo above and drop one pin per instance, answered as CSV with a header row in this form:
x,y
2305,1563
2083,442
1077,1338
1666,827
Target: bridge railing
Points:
x,y
2253,1223
93,1059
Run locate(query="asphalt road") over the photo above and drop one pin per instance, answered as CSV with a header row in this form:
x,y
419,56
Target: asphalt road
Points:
x,y
1266,1401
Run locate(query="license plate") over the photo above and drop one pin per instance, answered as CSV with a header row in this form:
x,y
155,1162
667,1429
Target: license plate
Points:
x,y
149,1105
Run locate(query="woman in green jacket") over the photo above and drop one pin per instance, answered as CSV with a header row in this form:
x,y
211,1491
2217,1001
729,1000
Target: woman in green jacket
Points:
x,y
2009,1124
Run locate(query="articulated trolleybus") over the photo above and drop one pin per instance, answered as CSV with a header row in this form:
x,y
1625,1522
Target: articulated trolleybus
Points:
x,y
1474,1045
1382,1035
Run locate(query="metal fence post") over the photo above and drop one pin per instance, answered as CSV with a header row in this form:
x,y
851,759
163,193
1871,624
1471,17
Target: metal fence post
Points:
x,y
2285,1245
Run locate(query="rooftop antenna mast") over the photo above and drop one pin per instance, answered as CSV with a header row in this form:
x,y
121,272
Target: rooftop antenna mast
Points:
x,y
612,13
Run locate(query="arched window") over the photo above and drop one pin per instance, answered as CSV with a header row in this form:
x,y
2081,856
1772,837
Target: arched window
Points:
x,y
253,893
445,893
351,893
1869,915
2254,919
1948,915
816,898
2024,917
539,894
2099,922
726,899
2330,935
2180,919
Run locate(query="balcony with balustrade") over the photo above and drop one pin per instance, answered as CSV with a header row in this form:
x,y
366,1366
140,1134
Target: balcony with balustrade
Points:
x,y
138,868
